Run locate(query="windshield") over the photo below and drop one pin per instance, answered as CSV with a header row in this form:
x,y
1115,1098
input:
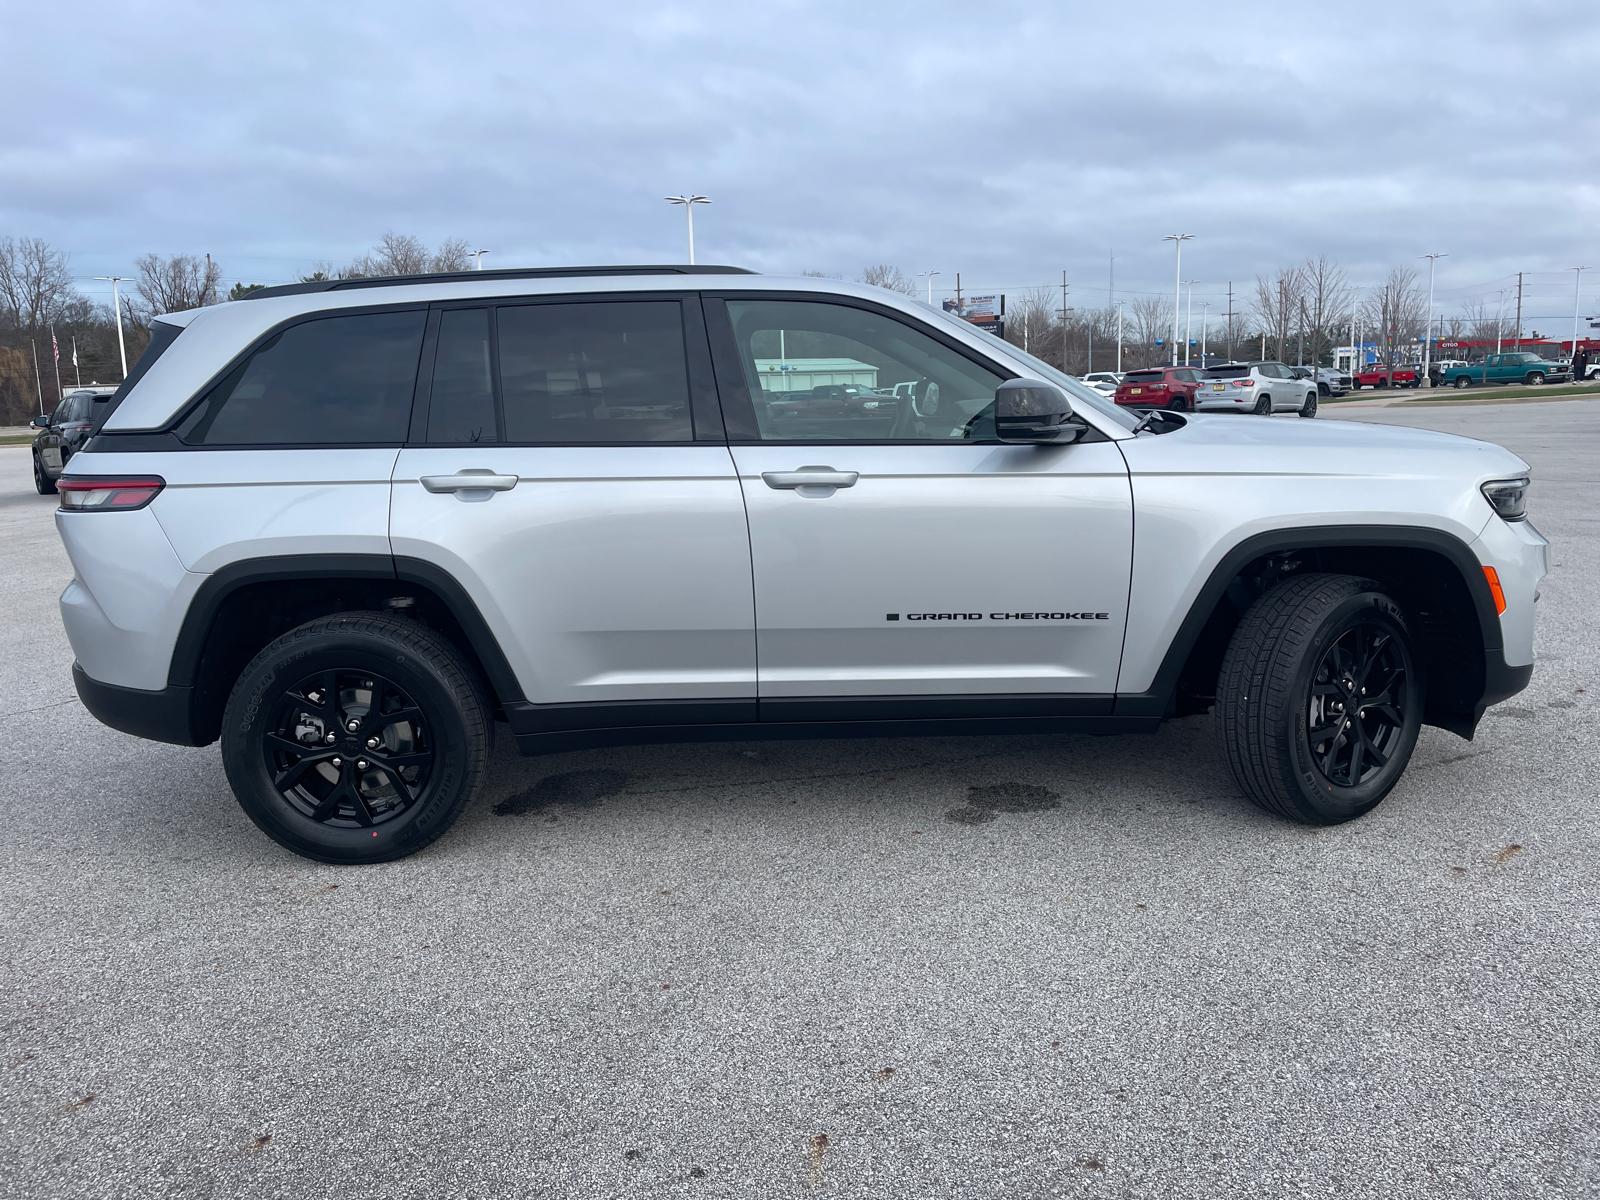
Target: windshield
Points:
x,y
1075,389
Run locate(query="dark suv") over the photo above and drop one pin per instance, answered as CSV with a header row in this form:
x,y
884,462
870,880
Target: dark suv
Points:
x,y
62,434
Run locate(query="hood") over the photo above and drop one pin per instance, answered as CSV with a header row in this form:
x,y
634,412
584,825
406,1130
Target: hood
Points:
x,y
1241,444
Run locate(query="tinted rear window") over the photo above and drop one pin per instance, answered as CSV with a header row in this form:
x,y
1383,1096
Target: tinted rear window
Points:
x,y
1227,372
331,381
1142,377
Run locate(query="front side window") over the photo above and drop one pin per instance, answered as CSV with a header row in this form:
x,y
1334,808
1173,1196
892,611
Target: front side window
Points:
x,y
610,371
818,371
330,381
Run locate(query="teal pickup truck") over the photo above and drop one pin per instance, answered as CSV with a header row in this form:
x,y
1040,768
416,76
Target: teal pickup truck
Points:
x,y
1518,367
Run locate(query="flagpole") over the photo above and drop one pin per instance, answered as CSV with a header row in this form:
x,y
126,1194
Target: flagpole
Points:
x,y
38,385
55,350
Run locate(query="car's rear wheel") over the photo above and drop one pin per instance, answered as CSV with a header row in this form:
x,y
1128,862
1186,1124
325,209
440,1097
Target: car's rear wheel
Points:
x,y
1178,403
1382,383
1320,699
1309,408
42,483
356,738
1534,379
1263,407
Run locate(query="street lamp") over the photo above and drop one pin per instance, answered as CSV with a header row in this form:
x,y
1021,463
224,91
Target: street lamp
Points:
x,y
1205,324
1577,279
116,303
928,275
478,257
1177,240
1188,327
688,203
1119,337
1427,331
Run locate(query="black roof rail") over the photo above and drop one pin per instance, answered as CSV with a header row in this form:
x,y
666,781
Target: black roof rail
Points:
x,y
339,285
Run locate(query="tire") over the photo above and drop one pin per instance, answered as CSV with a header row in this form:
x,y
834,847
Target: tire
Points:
x,y
310,685
1309,408
1287,667
1263,407
42,483
1324,390
1178,404
1534,379
1381,384
1462,383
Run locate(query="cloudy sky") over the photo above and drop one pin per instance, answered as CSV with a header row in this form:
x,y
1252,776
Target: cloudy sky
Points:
x,y
1005,141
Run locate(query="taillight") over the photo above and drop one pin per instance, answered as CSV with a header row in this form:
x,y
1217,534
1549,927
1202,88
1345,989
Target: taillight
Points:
x,y
1244,383
119,493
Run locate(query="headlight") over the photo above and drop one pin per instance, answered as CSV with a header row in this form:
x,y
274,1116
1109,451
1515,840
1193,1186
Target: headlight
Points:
x,y
1508,497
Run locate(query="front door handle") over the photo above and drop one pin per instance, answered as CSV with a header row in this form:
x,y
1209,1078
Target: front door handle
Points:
x,y
810,481
473,479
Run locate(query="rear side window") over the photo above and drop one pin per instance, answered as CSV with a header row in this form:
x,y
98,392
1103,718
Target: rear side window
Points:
x,y
462,408
596,372
331,381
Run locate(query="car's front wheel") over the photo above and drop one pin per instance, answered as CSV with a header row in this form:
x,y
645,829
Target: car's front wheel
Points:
x,y
1534,379
1324,390
356,738
42,483
1320,698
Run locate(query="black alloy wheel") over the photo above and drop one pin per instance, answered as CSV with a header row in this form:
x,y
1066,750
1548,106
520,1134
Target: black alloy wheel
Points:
x,y
1178,403
1309,408
1263,407
349,749
42,483
1320,698
356,738
1324,390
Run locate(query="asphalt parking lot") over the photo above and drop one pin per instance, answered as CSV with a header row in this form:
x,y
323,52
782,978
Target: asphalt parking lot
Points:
x,y
1018,967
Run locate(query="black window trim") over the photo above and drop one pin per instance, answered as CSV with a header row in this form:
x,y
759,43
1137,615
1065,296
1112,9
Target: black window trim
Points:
x,y
738,409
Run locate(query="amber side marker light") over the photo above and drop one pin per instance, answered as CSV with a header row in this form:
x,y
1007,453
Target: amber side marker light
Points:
x,y
120,493
1495,590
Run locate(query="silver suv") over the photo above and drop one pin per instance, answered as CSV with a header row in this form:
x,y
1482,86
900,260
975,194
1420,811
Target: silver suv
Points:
x,y
347,527
1262,388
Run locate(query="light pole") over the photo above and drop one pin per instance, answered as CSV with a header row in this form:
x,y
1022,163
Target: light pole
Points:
x,y
1205,312
478,256
1119,337
1177,240
688,203
1577,279
116,303
1427,330
1188,326
928,275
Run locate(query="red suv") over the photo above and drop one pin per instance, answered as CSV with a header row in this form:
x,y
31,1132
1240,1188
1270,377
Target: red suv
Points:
x,y
1159,387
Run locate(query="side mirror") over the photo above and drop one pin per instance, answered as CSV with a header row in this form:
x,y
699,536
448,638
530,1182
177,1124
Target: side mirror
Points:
x,y
42,421
1030,410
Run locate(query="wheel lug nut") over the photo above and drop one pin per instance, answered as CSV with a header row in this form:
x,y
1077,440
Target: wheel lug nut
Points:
x,y
372,743
330,738
353,725
337,761
361,764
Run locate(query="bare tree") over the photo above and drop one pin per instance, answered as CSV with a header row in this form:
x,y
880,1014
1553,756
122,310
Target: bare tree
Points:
x,y
1277,305
885,276
1150,318
397,254
1396,311
1325,298
174,284
452,255
1032,324
35,284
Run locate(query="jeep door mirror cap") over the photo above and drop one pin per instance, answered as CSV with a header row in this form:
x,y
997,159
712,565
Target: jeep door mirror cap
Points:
x,y
1036,412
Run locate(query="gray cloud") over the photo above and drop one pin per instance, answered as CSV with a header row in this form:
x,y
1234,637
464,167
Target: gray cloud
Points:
x,y
1005,141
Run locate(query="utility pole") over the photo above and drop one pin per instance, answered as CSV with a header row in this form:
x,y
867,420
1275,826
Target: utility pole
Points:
x,y
1230,320
1300,342
1517,341
1177,240
959,309
1063,320
116,303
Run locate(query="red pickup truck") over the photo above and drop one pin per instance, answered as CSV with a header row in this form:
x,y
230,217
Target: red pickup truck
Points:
x,y
1376,376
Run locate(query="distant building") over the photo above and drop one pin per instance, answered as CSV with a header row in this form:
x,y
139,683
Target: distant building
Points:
x,y
803,374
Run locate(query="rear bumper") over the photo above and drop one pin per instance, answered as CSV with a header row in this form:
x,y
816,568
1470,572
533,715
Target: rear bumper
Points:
x,y
163,716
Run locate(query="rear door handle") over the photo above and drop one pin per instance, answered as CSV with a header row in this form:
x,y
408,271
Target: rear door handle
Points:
x,y
807,478
473,479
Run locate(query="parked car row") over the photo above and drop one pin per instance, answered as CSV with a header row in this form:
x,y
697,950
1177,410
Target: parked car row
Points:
x,y
1262,388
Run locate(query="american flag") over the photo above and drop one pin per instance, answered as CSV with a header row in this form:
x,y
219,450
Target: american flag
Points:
x,y
55,345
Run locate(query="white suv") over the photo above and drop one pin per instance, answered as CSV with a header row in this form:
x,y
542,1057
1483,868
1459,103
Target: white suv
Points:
x,y
1262,388
347,526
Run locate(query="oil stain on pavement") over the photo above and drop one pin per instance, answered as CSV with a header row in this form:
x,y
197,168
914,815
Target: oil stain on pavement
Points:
x,y
985,803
